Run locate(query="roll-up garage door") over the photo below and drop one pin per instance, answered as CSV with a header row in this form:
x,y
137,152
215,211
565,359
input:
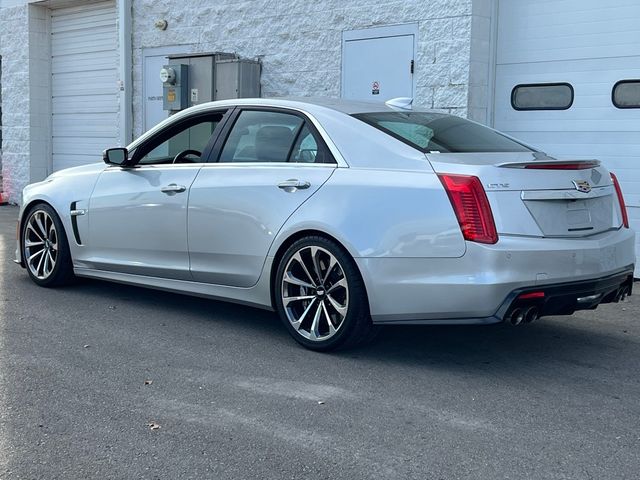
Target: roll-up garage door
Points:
x,y
585,49
84,83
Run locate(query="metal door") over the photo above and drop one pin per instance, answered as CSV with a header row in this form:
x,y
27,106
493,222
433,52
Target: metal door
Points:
x,y
154,59
378,69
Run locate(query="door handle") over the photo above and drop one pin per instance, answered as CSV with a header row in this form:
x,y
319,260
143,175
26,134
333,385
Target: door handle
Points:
x,y
173,188
293,184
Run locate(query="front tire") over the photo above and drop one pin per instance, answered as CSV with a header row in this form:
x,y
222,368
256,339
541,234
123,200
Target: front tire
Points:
x,y
45,249
320,295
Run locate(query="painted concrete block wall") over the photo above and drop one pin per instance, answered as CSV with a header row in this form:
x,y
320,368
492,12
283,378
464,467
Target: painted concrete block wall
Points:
x,y
14,39
299,42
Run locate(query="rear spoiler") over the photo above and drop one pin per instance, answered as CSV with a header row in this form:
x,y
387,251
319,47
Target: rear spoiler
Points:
x,y
552,164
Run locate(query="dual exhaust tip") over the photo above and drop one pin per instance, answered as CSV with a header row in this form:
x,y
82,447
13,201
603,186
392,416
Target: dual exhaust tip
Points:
x,y
524,315
623,293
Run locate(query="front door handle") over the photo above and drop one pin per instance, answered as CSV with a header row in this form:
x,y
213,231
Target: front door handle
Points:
x,y
293,184
173,188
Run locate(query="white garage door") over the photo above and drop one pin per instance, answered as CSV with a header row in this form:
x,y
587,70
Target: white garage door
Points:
x,y
590,45
83,88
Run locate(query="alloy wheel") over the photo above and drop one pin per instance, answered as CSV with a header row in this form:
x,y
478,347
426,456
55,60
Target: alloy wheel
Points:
x,y
315,293
41,244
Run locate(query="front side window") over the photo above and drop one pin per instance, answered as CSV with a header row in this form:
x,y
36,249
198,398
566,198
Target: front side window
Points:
x,y
626,94
440,133
266,136
184,143
542,96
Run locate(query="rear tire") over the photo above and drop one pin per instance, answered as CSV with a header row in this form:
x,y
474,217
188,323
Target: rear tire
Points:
x,y
320,296
45,249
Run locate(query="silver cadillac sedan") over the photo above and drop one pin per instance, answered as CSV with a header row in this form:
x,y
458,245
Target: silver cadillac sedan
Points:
x,y
338,215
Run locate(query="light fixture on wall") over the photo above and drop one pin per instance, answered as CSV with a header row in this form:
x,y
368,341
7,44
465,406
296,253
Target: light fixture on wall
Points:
x,y
161,24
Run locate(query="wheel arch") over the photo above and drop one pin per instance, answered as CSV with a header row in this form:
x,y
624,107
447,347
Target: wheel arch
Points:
x,y
26,208
290,240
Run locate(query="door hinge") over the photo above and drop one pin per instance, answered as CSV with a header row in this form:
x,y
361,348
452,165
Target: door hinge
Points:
x,y
412,65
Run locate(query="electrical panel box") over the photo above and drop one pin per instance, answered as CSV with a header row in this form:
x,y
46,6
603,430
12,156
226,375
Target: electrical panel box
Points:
x,y
237,78
175,83
218,76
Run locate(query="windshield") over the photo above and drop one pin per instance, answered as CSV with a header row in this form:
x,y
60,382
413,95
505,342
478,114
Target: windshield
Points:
x,y
440,133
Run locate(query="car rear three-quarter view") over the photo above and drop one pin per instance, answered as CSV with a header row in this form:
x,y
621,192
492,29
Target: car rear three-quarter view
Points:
x,y
340,216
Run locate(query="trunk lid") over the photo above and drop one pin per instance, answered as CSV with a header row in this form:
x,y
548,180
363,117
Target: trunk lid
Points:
x,y
535,196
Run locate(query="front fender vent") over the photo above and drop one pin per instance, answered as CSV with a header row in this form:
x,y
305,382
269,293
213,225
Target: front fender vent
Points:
x,y
74,222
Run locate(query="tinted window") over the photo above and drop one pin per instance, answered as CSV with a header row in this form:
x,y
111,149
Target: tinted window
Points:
x,y
308,150
193,134
260,136
542,96
437,132
626,94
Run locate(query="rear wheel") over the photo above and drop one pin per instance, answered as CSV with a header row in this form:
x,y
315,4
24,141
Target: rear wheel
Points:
x,y
45,248
320,295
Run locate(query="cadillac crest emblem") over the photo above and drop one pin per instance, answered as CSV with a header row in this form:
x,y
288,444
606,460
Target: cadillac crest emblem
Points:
x,y
582,185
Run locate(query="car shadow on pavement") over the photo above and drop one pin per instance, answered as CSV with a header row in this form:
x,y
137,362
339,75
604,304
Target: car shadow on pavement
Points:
x,y
547,342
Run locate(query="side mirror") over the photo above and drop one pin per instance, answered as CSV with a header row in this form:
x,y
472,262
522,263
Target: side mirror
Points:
x,y
115,156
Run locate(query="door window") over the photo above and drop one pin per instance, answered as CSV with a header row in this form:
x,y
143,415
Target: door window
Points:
x,y
184,143
263,136
260,136
307,149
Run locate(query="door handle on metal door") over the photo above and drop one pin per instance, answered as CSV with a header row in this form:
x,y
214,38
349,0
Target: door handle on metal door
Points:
x,y
173,188
293,184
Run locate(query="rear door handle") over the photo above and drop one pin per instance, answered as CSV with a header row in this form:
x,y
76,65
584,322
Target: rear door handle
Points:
x,y
293,184
173,188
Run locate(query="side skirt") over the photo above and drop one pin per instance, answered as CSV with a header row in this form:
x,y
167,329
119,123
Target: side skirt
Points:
x,y
257,296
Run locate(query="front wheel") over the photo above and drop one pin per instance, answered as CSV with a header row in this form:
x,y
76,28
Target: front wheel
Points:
x,y
45,248
320,295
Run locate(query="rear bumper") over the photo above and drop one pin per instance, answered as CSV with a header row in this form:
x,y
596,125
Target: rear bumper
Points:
x,y
566,298
476,287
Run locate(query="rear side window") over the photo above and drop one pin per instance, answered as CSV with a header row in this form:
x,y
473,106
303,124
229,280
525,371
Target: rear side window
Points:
x,y
542,96
260,136
268,136
437,132
626,94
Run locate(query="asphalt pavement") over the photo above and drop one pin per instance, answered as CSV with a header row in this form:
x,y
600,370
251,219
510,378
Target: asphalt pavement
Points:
x,y
99,380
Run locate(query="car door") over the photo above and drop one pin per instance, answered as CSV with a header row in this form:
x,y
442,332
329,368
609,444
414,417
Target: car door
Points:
x,y
138,213
268,163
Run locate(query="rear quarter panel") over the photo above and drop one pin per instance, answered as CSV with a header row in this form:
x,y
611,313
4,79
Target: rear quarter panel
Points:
x,y
382,213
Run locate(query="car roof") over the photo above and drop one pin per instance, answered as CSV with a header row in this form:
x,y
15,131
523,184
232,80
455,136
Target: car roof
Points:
x,y
339,104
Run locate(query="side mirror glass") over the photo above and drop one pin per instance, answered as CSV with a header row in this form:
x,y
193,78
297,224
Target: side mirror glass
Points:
x,y
115,156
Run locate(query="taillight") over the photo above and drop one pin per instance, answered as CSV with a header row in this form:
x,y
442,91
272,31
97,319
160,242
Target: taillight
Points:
x,y
471,207
562,165
623,208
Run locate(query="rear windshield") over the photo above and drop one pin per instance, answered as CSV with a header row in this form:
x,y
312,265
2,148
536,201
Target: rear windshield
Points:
x,y
440,133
